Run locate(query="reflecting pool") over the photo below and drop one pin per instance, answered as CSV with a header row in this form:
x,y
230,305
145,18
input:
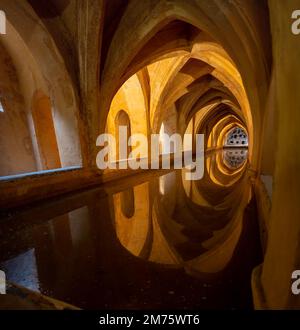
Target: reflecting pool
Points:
x,y
149,241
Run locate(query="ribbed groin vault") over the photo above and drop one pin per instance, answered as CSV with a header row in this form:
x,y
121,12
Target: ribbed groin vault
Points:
x,y
73,69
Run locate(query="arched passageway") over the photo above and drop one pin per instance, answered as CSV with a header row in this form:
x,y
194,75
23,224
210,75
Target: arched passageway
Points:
x,y
222,70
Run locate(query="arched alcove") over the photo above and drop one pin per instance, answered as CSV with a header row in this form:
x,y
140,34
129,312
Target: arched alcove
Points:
x,y
47,125
45,132
122,120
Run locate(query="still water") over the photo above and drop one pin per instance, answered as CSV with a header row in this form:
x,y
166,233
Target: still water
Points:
x,y
152,241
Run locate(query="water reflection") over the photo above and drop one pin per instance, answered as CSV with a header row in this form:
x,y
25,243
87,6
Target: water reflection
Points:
x,y
194,225
235,158
155,242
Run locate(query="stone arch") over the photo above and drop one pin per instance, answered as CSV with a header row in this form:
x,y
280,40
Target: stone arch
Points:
x,y
243,36
132,100
28,41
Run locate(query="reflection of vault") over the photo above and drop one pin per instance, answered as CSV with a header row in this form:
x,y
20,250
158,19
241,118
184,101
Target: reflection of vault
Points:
x,y
219,248
159,234
132,232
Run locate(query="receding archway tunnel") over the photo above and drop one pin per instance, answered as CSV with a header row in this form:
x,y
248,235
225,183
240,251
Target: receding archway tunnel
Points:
x,y
160,71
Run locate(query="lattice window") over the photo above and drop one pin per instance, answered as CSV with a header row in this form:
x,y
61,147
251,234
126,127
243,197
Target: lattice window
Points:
x,y
237,137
